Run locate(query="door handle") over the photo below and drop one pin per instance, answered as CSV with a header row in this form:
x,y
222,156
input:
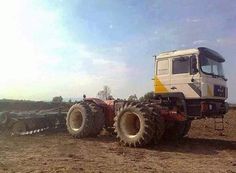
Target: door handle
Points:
x,y
173,88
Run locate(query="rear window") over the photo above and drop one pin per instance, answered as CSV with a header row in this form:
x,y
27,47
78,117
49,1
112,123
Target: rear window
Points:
x,y
163,67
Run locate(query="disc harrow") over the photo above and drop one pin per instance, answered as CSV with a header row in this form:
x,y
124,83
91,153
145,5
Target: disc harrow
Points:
x,y
31,122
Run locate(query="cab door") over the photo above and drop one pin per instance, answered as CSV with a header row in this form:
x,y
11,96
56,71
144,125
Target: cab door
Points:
x,y
183,76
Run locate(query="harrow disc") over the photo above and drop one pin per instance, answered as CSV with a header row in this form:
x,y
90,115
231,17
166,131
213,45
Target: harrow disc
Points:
x,y
18,128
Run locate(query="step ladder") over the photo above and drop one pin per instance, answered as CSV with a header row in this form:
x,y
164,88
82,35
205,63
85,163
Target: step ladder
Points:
x,y
219,123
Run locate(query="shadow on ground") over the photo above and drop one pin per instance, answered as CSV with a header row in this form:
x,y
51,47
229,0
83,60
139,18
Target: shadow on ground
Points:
x,y
196,146
186,145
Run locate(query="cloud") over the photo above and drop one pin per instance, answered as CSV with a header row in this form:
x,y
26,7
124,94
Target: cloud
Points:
x,y
192,20
197,42
113,66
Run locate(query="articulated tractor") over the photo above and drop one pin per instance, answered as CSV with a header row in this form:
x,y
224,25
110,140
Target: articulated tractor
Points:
x,y
188,85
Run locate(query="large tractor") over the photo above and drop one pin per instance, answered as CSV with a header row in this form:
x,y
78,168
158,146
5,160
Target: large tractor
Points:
x,y
188,84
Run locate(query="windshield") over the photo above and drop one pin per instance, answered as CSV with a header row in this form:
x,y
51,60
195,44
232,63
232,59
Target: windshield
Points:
x,y
211,66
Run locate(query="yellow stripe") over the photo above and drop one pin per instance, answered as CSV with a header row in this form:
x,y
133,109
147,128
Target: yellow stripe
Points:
x,y
158,86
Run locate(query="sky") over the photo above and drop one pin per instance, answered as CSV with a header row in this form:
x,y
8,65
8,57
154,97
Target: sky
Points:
x,y
74,47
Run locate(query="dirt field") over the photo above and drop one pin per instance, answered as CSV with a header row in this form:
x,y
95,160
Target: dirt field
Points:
x,y
204,150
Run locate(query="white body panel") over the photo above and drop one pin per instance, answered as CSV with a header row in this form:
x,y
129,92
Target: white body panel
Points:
x,y
207,86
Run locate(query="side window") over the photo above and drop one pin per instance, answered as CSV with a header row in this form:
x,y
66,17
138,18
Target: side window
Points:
x,y
181,65
163,67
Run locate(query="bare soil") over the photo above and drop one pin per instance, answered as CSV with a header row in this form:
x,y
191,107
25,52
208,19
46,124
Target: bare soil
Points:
x,y
204,150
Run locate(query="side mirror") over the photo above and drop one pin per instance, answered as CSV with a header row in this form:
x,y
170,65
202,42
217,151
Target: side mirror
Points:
x,y
194,69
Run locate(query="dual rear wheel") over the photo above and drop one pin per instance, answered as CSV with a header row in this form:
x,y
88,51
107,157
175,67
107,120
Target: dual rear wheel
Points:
x,y
139,124
136,124
85,119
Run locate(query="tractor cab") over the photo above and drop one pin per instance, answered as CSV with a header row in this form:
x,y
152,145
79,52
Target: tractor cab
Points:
x,y
196,75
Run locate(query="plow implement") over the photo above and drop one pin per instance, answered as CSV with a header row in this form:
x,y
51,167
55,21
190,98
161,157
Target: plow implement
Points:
x,y
30,122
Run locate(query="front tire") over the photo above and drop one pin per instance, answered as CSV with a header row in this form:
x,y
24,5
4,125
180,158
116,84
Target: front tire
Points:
x,y
176,130
134,124
187,127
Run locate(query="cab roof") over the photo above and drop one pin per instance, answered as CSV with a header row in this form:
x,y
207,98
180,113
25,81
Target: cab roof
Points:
x,y
174,53
201,50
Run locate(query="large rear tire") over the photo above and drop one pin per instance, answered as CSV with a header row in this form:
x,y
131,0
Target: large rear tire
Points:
x,y
134,124
98,118
159,122
159,128
79,120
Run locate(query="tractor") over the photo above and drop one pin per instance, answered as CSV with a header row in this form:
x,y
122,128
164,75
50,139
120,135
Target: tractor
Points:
x,y
188,84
